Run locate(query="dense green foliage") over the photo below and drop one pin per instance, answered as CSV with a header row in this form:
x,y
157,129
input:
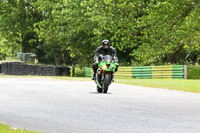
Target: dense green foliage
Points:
x,y
144,32
193,72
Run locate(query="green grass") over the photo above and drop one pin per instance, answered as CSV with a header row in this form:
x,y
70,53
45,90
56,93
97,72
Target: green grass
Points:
x,y
188,85
7,129
50,77
173,84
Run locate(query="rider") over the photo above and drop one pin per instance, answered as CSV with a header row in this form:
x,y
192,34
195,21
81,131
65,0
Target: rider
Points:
x,y
105,49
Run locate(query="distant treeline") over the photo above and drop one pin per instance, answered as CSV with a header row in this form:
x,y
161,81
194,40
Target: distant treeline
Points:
x,y
144,32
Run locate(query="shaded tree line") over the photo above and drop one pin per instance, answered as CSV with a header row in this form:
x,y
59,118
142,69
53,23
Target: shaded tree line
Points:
x,y
144,32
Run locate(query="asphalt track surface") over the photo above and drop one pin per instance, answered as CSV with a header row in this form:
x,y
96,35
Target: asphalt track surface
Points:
x,y
60,106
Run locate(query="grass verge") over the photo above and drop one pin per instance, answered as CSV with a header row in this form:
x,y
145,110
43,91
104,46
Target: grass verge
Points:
x,y
50,77
173,84
7,129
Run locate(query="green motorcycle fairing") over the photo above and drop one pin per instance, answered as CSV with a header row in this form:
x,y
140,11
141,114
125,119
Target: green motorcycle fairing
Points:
x,y
107,64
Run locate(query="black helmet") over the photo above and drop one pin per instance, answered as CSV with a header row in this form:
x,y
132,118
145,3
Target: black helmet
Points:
x,y
106,42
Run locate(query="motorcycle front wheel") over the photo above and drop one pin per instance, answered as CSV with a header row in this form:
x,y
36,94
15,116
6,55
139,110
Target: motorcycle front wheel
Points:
x,y
106,83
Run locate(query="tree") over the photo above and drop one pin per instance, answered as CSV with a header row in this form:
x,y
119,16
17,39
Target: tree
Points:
x,y
167,32
65,31
144,32
16,25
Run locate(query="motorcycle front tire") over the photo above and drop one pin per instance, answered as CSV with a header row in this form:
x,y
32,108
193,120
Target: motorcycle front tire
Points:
x,y
106,83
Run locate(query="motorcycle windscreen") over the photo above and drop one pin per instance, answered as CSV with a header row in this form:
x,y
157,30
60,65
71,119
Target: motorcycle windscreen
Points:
x,y
108,58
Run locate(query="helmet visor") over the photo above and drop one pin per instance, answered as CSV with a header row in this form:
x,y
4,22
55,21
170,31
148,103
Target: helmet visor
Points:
x,y
106,43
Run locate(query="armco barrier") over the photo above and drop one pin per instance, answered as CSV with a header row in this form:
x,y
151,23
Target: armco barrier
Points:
x,y
149,72
172,71
124,72
17,68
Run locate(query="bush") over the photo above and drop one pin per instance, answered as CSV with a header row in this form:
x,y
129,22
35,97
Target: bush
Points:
x,y
193,72
79,72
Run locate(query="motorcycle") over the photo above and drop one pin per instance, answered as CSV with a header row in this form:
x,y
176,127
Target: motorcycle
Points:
x,y
105,71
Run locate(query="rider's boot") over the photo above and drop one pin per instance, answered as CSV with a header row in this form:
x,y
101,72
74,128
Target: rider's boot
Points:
x,y
94,67
94,76
113,77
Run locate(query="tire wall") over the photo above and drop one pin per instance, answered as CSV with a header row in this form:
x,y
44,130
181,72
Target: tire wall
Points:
x,y
18,68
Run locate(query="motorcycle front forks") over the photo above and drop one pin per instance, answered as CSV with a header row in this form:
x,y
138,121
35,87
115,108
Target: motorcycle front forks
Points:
x,y
102,78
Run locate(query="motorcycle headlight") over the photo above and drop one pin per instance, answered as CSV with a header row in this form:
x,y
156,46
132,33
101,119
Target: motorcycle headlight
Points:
x,y
104,67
